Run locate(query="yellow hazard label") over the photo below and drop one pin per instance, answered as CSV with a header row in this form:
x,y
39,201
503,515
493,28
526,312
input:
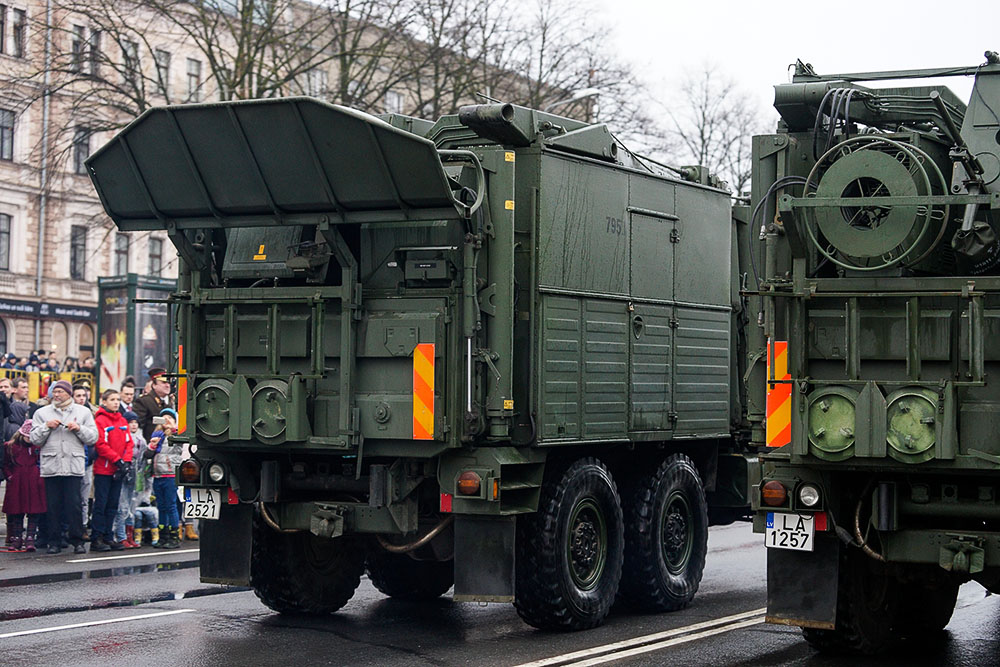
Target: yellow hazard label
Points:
x,y
509,204
260,254
508,156
508,404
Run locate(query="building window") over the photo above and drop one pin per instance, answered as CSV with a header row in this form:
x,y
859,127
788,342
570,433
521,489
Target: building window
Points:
x,y
95,52
121,254
81,149
77,48
85,339
4,242
20,29
78,252
225,77
3,28
393,102
194,80
155,257
130,61
3,336
162,71
354,91
317,82
6,134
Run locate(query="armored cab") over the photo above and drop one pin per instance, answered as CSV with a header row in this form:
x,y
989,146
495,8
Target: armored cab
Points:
x,y
875,236
479,352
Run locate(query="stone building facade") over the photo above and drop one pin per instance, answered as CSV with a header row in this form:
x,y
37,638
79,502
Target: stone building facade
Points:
x,y
54,238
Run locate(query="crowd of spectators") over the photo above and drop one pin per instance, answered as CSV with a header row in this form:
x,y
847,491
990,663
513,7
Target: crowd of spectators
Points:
x,y
77,473
41,361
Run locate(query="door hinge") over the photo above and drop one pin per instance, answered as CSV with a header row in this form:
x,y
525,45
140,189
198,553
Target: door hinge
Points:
x,y
672,417
674,323
675,236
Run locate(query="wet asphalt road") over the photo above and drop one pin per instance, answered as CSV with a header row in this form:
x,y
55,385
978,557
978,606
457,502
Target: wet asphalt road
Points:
x,y
152,610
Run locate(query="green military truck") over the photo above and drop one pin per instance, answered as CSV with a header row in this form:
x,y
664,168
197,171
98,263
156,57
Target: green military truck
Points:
x,y
875,237
497,351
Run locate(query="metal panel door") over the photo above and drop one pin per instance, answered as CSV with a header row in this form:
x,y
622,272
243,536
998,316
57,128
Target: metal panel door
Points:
x,y
650,323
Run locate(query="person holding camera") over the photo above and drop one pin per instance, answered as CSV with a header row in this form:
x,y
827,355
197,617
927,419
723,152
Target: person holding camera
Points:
x,y
166,455
112,466
62,430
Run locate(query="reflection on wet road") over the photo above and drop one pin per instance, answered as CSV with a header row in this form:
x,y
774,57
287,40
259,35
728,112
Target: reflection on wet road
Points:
x,y
153,610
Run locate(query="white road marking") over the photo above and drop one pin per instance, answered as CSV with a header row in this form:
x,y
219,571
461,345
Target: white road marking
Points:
x,y
151,553
90,623
667,644
647,639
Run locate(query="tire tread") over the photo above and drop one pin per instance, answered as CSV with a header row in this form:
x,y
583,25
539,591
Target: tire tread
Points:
x,y
282,580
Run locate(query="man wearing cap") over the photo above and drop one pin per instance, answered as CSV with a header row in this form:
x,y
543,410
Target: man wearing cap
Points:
x,y
149,405
62,430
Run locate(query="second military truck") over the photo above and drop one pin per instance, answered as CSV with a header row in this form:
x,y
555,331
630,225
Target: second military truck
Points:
x,y
496,351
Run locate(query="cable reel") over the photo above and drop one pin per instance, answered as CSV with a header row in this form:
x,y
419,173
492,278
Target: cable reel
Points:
x,y
875,236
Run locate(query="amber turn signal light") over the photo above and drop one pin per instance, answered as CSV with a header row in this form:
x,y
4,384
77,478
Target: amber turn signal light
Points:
x,y
468,483
190,472
773,493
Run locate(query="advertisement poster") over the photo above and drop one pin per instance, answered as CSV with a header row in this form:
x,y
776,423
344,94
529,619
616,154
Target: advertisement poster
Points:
x,y
114,337
152,334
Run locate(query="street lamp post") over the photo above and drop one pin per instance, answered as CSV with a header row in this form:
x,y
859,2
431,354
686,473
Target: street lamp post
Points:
x,y
575,96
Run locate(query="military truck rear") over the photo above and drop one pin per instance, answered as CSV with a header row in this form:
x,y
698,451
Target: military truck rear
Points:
x,y
495,352
877,259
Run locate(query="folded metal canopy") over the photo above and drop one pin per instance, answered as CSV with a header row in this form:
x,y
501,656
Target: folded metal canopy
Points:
x,y
266,162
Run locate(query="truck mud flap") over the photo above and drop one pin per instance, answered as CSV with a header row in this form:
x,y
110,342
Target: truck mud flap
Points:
x,y
225,546
802,585
484,559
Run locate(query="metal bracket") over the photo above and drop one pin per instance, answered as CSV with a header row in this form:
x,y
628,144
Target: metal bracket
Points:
x,y
194,258
965,553
486,300
327,522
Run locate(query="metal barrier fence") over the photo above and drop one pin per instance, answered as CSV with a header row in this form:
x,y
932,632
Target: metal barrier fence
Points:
x,y
39,381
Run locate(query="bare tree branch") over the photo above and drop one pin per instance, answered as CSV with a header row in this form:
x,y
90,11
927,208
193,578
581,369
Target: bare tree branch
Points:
x,y
713,125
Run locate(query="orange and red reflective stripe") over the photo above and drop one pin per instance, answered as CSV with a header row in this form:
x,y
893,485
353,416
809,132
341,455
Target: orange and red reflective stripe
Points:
x,y
423,391
182,387
779,397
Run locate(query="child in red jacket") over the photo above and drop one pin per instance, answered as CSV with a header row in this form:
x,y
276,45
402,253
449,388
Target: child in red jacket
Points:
x,y
114,456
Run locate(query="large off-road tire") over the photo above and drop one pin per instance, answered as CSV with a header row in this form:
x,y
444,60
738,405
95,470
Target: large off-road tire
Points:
x,y
402,577
867,608
569,553
666,537
299,573
925,607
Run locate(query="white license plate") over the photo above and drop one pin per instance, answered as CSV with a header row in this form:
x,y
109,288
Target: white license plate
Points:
x,y
202,503
789,531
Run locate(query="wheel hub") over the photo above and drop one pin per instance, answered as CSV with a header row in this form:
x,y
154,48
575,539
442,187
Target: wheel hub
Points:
x,y
587,544
677,533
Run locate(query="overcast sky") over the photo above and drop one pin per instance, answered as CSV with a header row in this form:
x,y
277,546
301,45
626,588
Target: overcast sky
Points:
x,y
754,42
